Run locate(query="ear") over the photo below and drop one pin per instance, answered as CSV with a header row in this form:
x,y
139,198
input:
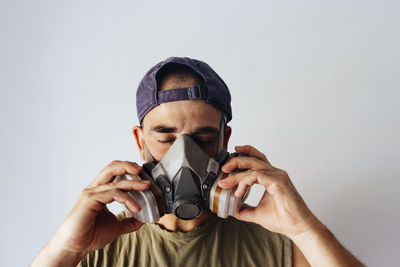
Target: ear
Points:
x,y
139,137
228,132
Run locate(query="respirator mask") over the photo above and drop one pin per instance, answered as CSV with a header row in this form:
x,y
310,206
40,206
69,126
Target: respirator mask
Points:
x,y
184,182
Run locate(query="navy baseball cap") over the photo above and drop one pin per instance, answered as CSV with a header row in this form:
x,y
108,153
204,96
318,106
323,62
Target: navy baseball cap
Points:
x,y
214,91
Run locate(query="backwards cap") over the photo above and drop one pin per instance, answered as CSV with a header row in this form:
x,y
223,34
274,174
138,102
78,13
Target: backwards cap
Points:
x,y
214,91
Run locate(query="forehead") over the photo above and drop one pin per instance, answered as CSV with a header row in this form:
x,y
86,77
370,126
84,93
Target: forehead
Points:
x,y
186,116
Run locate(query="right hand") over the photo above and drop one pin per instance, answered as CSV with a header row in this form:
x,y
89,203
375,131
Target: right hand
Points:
x,y
90,225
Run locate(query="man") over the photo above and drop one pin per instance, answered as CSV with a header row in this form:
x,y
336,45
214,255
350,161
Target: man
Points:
x,y
182,96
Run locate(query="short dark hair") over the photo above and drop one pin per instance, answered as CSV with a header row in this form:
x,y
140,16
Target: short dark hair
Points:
x,y
179,72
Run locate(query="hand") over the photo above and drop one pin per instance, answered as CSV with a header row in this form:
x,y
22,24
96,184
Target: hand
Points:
x,y
281,208
90,225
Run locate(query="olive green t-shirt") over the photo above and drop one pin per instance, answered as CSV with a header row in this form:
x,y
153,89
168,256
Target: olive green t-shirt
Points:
x,y
218,242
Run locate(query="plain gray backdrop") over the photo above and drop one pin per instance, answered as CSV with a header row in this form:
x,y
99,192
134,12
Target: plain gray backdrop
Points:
x,y
315,86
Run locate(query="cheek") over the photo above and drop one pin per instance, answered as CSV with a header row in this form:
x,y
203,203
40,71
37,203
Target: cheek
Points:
x,y
210,150
159,155
158,151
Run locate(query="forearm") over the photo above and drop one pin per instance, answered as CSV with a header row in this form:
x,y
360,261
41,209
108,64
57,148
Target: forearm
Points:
x,y
53,256
321,248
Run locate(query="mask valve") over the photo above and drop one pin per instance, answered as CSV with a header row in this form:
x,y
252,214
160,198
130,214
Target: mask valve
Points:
x,y
187,207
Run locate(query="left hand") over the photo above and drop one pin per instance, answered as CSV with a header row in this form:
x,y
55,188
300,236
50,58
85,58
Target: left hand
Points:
x,y
281,208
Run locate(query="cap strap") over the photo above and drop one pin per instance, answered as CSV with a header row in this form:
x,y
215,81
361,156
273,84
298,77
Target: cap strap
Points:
x,y
193,92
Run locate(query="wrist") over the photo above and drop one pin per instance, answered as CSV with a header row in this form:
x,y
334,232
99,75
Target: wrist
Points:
x,y
311,233
305,228
58,249
321,248
55,255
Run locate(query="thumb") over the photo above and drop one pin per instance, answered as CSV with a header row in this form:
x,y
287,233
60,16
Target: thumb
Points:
x,y
128,225
246,213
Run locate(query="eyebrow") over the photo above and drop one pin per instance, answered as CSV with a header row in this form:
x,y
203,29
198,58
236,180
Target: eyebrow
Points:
x,y
207,130
163,129
201,130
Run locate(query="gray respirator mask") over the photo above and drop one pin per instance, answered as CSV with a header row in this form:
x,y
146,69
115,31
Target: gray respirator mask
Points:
x,y
185,183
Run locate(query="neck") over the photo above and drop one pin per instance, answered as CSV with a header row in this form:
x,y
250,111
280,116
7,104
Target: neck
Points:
x,y
172,223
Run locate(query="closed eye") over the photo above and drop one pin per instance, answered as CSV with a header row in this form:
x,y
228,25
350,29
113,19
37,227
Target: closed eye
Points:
x,y
205,142
199,142
205,139
169,141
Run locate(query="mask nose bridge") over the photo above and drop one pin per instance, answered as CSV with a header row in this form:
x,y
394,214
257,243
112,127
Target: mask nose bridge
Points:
x,y
185,152
190,135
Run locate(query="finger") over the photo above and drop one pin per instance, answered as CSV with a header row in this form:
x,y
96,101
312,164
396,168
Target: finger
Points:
x,y
244,184
124,185
245,163
252,152
268,179
242,189
115,168
246,213
128,225
97,200
232,179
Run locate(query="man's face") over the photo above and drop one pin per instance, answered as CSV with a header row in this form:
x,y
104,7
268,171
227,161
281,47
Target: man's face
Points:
x,y
166,122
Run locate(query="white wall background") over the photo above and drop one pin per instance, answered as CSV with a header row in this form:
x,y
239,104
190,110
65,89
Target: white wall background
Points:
x,y
315,86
